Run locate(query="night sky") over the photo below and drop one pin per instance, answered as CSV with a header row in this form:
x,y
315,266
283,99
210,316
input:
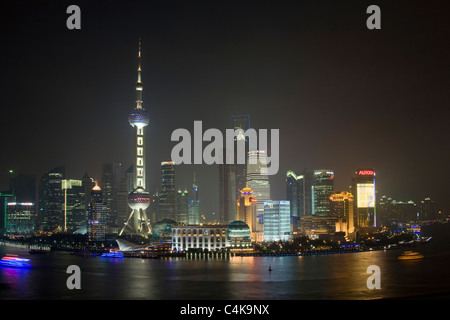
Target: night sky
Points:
x,y
342,96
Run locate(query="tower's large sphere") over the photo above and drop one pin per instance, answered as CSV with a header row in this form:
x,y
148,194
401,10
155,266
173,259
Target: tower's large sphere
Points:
x,y
138,118
139,199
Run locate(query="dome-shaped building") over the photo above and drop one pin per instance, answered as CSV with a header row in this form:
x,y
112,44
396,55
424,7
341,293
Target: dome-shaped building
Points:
x,y
163,229
238,234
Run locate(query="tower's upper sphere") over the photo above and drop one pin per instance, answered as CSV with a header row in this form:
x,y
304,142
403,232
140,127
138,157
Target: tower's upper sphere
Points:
x,y
138,118
139,199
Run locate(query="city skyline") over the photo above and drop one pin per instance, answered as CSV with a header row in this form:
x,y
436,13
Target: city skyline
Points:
x,y
80,89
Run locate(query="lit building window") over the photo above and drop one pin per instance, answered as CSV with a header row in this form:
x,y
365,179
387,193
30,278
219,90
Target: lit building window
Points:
x,y
140,161
140,151
140,141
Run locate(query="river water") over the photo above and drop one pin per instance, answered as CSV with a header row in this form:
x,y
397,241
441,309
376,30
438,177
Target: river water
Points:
x,y
331,277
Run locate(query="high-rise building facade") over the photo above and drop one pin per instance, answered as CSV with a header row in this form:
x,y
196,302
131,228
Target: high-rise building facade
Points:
x,y
167,206
427,211
227,193
390,211
74,206
194,205
277,221
182,207
322,189
342,208
295,194
233,176
258,181
139,197
241,122
363,189
5,198
51,201
20,219
97,216
110,183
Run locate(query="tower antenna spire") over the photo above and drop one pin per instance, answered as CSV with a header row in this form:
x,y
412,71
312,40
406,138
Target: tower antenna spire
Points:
x,y
139,86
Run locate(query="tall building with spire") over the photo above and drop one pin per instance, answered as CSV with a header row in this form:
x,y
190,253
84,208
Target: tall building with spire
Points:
x,y
139,197
194,205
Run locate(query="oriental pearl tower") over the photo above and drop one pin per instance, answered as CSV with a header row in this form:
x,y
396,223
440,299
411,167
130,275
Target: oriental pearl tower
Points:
x,y
139,197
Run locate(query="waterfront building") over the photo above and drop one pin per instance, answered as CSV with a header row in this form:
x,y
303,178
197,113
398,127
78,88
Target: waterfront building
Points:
x,y
318,227
322,189
210,237
139,198
239,237
277,221
363,189
51,201
20,219
162,230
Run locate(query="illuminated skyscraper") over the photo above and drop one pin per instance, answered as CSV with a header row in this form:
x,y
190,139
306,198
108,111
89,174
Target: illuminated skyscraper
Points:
x,y
194,205
139,198
363,189
295,194
20,219
241,122
227,193
246,210
110,181
427,211
74,206
182,206
342,208
322,189
258,181
233,176
276,221
97,212
167,205
51,200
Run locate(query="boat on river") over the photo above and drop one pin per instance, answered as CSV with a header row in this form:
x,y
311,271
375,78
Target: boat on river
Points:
x,y
411,255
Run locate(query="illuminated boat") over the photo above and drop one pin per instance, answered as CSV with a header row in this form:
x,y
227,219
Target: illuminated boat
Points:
x,y
14,261
113,254
410,255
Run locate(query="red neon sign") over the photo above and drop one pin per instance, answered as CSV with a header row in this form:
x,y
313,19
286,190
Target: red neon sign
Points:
x,y
366,173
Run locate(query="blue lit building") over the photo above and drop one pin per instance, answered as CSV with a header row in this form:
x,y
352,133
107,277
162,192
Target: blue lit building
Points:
x,y
277,221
